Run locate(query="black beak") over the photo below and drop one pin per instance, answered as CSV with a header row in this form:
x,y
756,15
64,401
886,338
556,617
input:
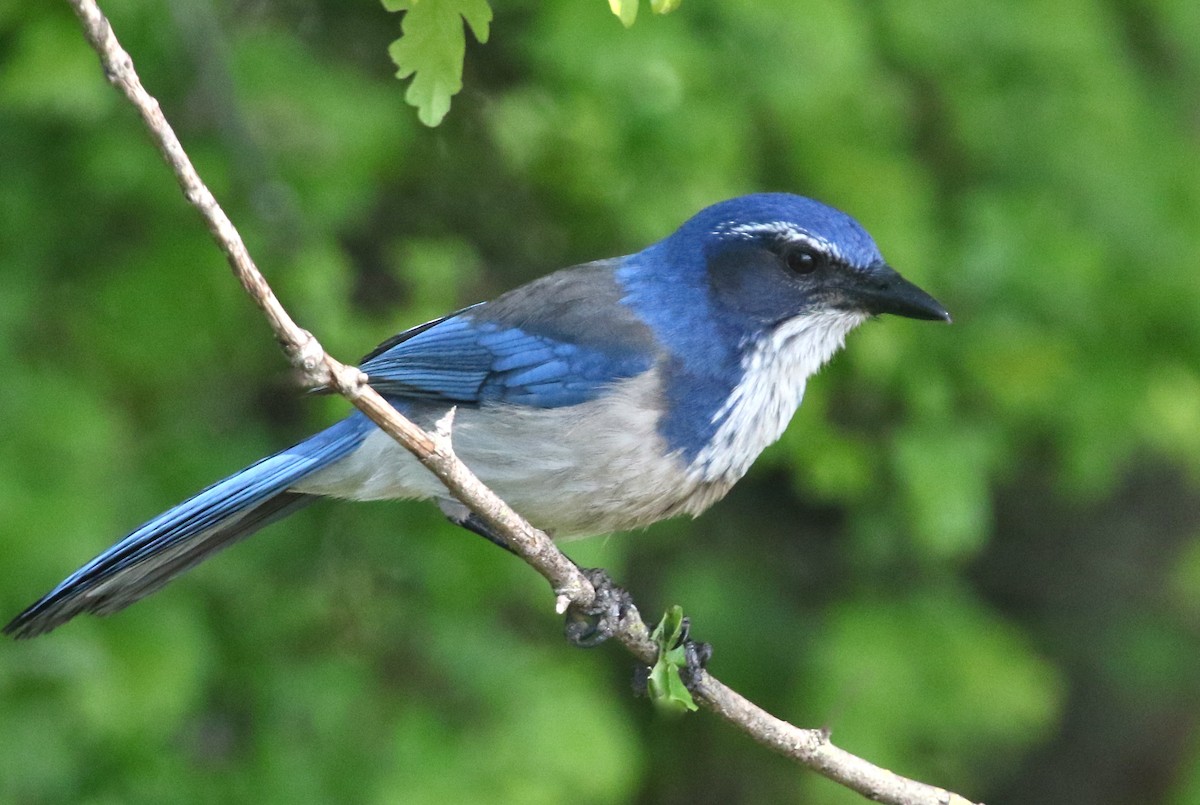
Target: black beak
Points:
x,y
880,289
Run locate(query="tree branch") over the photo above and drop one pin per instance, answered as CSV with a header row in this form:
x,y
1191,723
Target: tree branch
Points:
x,y
807,746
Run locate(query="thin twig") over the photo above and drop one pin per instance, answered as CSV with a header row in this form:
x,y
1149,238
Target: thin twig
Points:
x,y
809,747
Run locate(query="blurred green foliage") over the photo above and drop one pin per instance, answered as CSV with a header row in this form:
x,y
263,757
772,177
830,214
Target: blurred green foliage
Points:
x,y
975,555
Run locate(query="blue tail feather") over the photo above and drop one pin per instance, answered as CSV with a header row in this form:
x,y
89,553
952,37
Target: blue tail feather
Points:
x,y
189,533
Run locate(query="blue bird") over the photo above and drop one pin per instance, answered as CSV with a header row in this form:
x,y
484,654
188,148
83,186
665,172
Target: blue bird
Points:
x,y
602,397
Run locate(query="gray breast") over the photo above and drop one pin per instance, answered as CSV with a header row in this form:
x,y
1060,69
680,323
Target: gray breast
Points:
x,y
574,471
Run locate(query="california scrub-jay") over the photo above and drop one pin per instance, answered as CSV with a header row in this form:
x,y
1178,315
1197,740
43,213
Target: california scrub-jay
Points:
x,y
600,398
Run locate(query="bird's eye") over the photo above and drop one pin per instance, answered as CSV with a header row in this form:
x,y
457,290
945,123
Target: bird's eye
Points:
x,y
802,261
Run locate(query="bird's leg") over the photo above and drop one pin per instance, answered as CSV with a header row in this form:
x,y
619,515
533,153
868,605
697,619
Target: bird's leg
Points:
x,y
475,524
461,516
585,628
588,628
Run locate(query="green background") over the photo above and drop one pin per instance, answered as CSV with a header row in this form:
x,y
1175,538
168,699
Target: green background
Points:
x,y
974,556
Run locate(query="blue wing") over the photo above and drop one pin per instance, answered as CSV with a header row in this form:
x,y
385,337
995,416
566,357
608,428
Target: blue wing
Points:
x,y
555,342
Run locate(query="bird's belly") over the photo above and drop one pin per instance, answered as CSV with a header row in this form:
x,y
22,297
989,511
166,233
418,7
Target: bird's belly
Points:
x,y
585,469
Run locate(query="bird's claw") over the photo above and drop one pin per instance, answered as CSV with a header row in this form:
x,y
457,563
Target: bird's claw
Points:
x,y
696,656
591,626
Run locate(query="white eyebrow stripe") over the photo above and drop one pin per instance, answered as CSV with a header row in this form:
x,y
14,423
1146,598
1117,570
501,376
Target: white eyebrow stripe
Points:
x,y
779,229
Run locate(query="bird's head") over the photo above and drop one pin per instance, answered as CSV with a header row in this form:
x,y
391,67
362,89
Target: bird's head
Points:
x,y
772,257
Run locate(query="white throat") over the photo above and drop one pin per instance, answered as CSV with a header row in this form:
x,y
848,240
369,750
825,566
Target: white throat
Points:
x,y
775,371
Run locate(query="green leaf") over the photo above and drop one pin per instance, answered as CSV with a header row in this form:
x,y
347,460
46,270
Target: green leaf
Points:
x,y
431,49
626,10
665,685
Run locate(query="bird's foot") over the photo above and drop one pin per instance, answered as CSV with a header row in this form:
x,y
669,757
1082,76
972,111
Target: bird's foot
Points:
x,y
696,655
588,628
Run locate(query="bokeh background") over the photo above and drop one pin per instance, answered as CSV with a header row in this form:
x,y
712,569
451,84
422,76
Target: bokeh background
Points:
x,y
975,555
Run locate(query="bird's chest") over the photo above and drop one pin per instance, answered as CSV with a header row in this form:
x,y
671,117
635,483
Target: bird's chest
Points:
x,y
746,411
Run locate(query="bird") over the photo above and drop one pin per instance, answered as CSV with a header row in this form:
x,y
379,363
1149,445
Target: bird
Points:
x,y
602,397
